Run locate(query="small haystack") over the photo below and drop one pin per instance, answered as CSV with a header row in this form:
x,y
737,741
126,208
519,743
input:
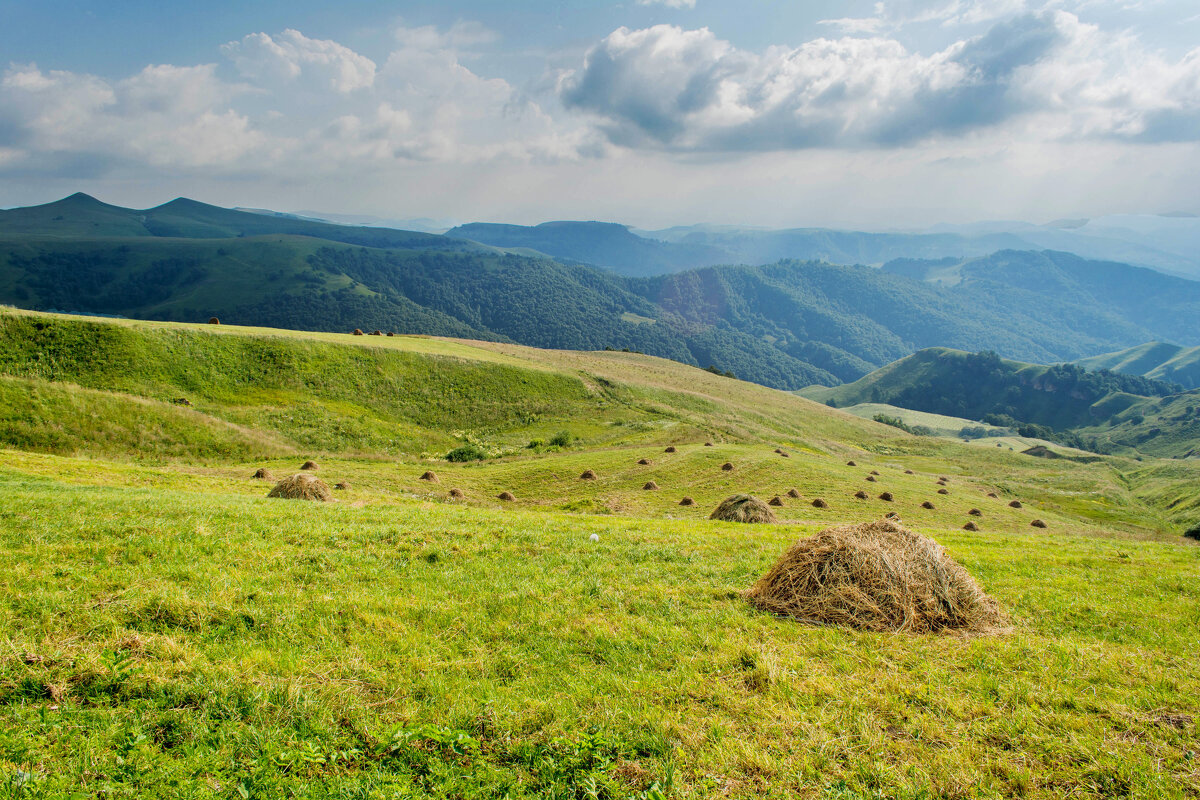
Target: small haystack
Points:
x,y
645,462
886,497
342,486
264,474
786,455
391,333
743,508
357,332
377,333
871,478
970,526
909,472
975,512
309,465
927,505
819,503
687,501
671,449
302,487
508,496
650,486
1037,523
943,478
427,475
877,577
778,450
1015,504
851,464
943,491
587,475
860,495
727,466
708,444
875,472
457,494
214,321
991,494
775,501
792,493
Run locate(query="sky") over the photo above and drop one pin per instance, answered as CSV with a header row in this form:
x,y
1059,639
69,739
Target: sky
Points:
x,y
873,115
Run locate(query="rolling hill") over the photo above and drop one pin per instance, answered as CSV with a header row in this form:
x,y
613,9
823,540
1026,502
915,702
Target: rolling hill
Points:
x,y
1158,360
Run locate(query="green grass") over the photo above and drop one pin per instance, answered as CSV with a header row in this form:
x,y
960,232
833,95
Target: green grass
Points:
x,y
168,631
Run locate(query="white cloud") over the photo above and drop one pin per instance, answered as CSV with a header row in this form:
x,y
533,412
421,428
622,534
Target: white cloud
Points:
x,y
292,55
668,3
687,90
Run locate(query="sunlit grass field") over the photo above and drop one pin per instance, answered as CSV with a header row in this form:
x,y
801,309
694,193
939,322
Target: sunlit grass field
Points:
x,y
168,631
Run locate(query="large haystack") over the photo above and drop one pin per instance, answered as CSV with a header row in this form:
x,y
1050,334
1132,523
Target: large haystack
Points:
x,y
877,577
302,487
743,508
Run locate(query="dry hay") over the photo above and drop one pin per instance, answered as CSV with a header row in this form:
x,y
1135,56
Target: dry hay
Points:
x,y
687,501
871,478
1015,504
786,455
943,491
892,515
310,465
671,449
819,503
928,505
887,497
587,475
991,494
645,462
377,333
775,501
743,508
429,476
851,464
650,486
860,494
778,450
941,483
1037,523
876,576
975,512
727,466
909,472
214,321
343,485
457,494
970,526
358,332
874,472
391,333
264,474
793,494
708,444
302,487
943,478
506,496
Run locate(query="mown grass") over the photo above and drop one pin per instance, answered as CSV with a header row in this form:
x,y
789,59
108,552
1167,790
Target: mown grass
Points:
x,y
166,643
168,631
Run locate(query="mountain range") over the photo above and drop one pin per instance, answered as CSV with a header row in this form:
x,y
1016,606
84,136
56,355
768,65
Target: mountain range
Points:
x,y
788,324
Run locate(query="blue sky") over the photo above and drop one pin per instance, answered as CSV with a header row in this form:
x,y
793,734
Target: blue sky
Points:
x,y
650,112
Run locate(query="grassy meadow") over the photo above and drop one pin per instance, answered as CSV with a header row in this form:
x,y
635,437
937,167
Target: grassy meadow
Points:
x,y
168,631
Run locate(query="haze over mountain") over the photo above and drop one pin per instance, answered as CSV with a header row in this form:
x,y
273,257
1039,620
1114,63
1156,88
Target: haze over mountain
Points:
x,y
788,324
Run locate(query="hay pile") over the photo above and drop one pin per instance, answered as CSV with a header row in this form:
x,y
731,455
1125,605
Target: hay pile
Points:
x,y
860,495
428,475
391,333
687,501
970,526
645,462
358,332
302,487
927,505
786,455
310,465
943,491
775,501
877,577
909,472
743,508
871,478
793,494
650,486
1037,523
975,512
1015,504
588,475
507,496
344,485
708,444
875,472
886,497
377,333
457,494
214,321
670,449
991,494
819,503
727,466
264,474
851,464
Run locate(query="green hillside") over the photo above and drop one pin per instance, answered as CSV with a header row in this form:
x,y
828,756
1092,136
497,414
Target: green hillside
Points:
x,y
1158,360
171,631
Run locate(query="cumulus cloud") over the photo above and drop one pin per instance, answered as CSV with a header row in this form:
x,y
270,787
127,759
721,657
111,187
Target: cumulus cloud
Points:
x,y
688,90
292,55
